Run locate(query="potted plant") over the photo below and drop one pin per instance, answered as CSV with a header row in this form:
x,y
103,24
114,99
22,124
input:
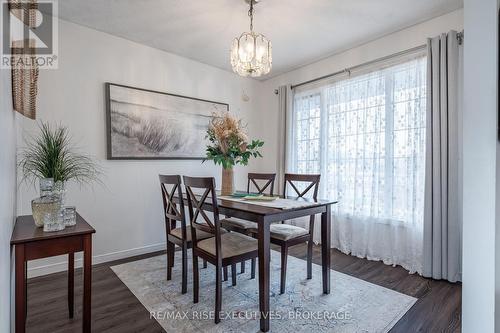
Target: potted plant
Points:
x,y
51,158
229,146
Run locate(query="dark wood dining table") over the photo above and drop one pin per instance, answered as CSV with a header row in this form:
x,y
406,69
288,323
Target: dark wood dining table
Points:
x,y
264,216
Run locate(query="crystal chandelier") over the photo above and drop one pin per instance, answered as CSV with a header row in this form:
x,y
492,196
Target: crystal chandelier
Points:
x,y
251,51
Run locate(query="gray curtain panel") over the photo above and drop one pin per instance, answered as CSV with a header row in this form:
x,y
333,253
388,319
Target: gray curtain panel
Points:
x,y
284,120
442,214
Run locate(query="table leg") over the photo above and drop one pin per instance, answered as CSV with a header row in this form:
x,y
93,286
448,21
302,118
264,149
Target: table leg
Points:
x,y
71,282
325,248
264,257
87,282
20,289
25,289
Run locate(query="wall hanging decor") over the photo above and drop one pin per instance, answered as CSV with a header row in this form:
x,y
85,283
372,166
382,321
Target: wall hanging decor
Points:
x,y
147,124
24,77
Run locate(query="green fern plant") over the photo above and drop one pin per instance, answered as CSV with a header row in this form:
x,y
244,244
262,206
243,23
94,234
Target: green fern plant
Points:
x,y
52,155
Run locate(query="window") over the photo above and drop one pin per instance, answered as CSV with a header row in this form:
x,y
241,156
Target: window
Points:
x,y
366,135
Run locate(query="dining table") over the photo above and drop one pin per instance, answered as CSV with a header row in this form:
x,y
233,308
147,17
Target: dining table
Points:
x,y
266,212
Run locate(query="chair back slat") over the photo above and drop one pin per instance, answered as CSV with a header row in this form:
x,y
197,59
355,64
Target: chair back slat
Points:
x,y
312,179
253,177
170,187
196,208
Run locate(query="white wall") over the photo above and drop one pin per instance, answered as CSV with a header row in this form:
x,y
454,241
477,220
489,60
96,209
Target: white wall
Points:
x,y
390,44
479,168
7,194
126,212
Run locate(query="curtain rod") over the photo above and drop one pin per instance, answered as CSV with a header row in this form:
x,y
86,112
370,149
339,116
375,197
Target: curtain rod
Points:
x,y
349,69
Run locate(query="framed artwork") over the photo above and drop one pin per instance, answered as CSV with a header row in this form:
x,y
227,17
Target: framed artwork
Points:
x,y
144,124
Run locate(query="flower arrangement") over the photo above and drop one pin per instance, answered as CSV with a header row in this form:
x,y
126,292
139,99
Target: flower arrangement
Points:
x,y
229,142
229,146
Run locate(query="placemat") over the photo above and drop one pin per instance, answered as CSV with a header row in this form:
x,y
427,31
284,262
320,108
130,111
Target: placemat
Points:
x,y
278,203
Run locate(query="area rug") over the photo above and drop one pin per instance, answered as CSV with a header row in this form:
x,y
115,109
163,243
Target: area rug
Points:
x,y
352,306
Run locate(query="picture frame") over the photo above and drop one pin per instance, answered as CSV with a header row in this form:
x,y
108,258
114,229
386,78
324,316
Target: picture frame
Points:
x,y
143,124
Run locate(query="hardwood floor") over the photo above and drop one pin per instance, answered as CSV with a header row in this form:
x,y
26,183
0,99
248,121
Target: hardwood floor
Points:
x,y
115,308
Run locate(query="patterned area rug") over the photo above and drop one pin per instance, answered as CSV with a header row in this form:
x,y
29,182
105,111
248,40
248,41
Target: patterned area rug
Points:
x,y
352,306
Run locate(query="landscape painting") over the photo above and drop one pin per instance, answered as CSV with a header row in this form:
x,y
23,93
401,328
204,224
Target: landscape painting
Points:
x,y
145,124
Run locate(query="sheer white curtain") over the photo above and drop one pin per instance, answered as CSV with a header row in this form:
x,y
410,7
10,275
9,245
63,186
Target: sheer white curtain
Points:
x,y
366,135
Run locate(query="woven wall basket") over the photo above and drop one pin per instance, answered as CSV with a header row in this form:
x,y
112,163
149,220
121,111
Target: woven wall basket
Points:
x,y
24,78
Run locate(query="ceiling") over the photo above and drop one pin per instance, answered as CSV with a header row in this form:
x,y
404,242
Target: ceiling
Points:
x,y
302,31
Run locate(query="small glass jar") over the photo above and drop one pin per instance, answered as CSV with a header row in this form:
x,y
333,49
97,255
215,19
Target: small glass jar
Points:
x,y
47,213
56,224
69,214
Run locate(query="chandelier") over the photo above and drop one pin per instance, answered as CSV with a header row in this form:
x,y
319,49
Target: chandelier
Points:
x,y
251,51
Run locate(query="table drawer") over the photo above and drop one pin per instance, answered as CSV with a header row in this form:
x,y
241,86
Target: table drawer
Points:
x,y
53,247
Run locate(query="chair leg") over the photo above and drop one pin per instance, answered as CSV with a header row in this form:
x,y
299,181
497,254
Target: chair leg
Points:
x,y
310,247
204,263
196,279
184,268
225,273
309,259
218,293
284,257
252,272
170,259
233,274
243,264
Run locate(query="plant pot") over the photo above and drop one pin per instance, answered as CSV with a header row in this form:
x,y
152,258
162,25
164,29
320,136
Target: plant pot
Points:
x,y
60,191
46,186
227,181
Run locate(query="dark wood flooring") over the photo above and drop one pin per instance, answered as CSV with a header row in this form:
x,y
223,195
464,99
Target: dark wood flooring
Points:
x,y
115,308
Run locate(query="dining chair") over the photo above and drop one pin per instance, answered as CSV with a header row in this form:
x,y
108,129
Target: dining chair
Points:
x,y
181,236
222,250
259,183
286,235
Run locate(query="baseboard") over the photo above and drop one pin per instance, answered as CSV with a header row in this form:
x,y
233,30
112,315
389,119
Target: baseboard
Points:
x,y
98,259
